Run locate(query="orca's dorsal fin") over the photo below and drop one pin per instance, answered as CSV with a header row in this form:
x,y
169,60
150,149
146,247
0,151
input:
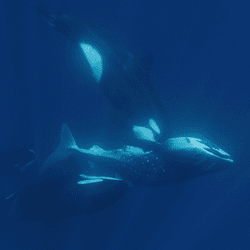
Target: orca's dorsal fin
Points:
x,y
146,61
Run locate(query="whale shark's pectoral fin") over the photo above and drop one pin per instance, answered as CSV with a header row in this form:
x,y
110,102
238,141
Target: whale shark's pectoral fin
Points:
x,y
87,179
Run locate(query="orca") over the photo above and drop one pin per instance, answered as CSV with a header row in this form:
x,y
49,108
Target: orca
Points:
x,y
123,79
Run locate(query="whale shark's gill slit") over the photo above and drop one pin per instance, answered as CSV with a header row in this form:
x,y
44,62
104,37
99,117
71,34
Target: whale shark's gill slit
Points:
x,y
94,59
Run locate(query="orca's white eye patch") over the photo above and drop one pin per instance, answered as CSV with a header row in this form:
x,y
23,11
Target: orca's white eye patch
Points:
x,y
94,59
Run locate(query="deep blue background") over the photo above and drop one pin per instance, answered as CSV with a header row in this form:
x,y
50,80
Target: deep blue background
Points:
x,y
201,71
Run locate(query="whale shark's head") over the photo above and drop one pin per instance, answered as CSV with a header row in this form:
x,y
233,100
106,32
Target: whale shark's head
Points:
x,y
201,155
176,160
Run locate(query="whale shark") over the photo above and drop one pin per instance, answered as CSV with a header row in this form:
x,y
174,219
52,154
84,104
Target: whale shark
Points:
x,y
122,78
74,180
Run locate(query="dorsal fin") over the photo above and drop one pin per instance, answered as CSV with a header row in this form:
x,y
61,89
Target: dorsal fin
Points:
x,y
67,139
61,153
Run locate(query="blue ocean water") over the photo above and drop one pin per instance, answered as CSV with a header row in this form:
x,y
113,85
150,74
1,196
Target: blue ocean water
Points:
x,y
201,72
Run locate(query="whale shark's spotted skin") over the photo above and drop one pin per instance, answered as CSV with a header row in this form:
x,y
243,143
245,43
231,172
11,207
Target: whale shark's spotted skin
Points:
x,y
144,169
178,160
147,168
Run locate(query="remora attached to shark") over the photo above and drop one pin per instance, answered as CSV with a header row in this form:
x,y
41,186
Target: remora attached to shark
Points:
x,y
123,78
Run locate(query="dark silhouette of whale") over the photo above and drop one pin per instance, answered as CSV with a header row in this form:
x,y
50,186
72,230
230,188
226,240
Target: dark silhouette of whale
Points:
x,y
123,78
